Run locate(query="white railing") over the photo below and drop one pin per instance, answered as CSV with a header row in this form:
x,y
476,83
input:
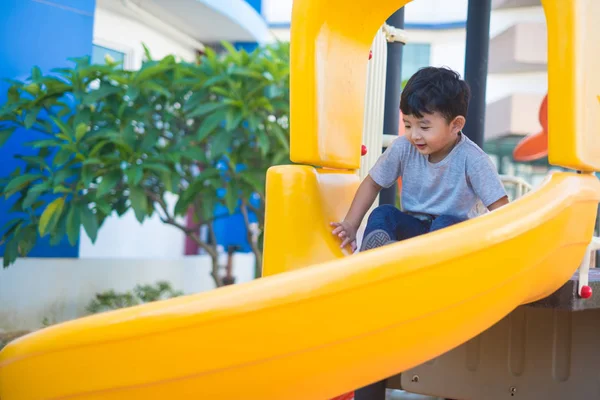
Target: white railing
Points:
x,y
520,184
374,103
584,290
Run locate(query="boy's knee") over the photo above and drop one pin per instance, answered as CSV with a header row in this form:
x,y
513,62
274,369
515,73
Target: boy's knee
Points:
x,y
384,210
445,221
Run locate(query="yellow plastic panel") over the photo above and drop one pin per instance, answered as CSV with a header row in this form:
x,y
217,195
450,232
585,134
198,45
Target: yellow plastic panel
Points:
x,y
306,199
574,83
317,332
330,41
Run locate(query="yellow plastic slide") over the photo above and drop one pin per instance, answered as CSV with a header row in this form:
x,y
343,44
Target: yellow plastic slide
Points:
x,y
320,331
323,324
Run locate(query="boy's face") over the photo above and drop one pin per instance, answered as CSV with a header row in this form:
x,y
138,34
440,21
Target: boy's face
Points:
x,y
433,135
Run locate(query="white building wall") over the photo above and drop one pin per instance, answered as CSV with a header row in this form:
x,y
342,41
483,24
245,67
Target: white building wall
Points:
x,y
125,238
418,11
436,11
57,290
126,35
448,45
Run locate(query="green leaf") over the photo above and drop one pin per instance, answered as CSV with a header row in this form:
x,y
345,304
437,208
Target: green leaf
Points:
x,y
234,118
73,225
92,161
130,137
50,216
232,51
89,221
135,175
254,179
19,183
13,94
149,70
194,154
108,183
83,117
87,175
11,226
210,124
37,161
61,189
59,231
62,157
61,126
159,168
231,199
147,52
207,208
205,109
220,90
38,144
36,73
11,252
5,134
253,122
17,206
170,180
155,87
104,207
80,131
194,100
133,93
281,136
241,71
64,112
214,80
27,239
185,200
34,193
150,139
96,95
98,147
220,143
62,175
263,142
31,117
139,202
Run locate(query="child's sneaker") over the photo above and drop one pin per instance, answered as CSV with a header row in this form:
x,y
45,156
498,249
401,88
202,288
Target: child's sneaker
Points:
x,y
375,239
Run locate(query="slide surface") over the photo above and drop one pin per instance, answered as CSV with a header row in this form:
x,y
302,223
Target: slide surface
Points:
x,y
323,330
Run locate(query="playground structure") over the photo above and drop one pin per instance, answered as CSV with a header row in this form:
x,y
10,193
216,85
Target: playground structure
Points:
x,y
440,313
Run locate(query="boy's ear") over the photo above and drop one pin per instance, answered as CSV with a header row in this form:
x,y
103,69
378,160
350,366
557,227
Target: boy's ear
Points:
x,y
458,124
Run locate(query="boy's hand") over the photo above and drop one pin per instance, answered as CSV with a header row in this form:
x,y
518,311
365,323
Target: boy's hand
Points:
x,y
347,232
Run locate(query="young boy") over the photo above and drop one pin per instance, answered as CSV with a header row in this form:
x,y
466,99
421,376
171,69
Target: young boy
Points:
x,y
445,176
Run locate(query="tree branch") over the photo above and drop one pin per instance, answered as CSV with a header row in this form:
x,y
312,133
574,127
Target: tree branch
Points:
x,y
251,239
212,251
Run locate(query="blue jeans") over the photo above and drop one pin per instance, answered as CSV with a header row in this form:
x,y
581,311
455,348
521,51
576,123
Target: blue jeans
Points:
x,y
399,226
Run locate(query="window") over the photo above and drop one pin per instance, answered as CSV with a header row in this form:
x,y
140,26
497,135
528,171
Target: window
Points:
x,y
414,57
99,54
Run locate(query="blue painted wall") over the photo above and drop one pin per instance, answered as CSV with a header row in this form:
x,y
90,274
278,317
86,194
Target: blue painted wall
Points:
x,y
256,4
248,46
43,33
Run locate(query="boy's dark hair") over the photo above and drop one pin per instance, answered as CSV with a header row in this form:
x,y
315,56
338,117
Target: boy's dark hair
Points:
x,y
433,89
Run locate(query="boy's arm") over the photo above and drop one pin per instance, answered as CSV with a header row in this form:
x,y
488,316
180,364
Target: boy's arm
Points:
x,y
499,203
383,174
486,183
363,200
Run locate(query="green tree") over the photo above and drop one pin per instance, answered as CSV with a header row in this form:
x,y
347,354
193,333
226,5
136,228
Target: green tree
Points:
x,y
116,140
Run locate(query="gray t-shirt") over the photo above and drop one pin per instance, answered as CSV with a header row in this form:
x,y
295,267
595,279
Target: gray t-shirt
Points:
x,y
455,186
